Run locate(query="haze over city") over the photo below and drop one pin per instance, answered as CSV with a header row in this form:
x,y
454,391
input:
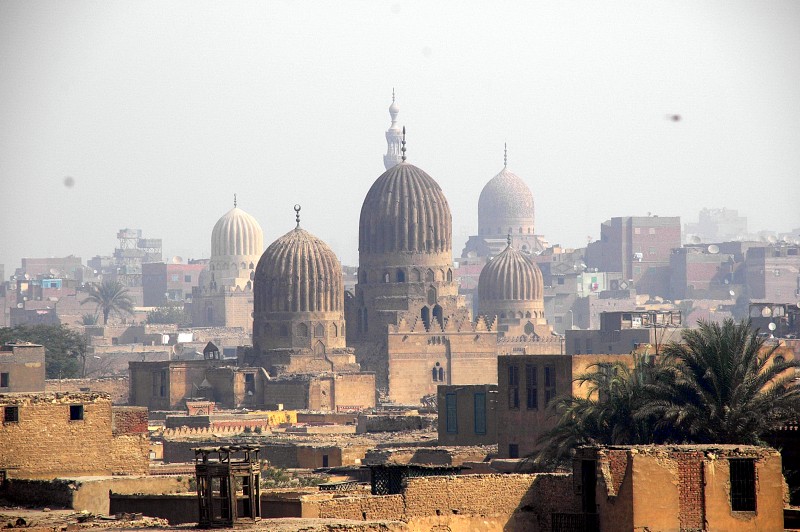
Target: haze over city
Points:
x,y
159,113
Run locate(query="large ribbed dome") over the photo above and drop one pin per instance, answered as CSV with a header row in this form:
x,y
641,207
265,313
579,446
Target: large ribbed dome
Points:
x,y
505,205
510,276
406,211
298,273
236,234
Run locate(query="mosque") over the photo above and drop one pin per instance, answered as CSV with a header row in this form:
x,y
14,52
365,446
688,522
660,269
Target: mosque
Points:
x,y
405,328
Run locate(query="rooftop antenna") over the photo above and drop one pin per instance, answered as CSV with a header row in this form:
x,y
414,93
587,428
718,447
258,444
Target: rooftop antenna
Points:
x,y
505,155
297,215
234,200
403,149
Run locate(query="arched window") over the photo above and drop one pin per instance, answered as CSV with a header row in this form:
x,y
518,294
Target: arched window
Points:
x,y
249,285
252,266
449,276
302,330
503,315
436,371
401,276
431,295
243,265
319,349
529,328
416,276
441,374
425,314
520,230
319,330
530,230
528,314
437,315
429,276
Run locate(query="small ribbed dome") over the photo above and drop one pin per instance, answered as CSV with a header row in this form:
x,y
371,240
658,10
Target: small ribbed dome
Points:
x,y
298,273
510,276
405,210
505,203
236,234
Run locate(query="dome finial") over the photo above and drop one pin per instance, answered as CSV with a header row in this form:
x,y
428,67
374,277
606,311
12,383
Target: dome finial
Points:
x,y
234,200
297,215
392,94
505,154
403,149
508,239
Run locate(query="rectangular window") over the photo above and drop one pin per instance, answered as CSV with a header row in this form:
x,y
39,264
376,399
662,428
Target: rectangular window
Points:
x,y
480,413
532,387
549,383
155,378
651,250
11,414
249,383
651,231
743,484
75,412
637,230
187,278
513,450
163,387
451,409
4,380
560,280
513,387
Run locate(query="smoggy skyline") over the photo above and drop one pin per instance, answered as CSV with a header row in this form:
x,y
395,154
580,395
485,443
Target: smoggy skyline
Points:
x,y
160,112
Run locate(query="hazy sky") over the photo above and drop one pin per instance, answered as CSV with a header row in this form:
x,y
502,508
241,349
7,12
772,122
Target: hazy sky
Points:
x,y
161,111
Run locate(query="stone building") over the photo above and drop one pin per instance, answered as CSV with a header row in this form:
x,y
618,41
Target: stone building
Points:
x,y
527,384
224,297
22,368
467,414
505,207
680,487
48,435
406,318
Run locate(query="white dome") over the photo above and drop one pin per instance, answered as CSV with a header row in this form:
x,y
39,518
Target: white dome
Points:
x,y
237,234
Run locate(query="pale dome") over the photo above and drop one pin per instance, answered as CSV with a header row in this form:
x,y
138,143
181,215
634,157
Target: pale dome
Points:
x,y
236,234
405,211
510,276
505,205
298,273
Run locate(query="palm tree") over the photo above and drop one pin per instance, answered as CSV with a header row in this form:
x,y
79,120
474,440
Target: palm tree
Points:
x,y
111,297
609,413
726,386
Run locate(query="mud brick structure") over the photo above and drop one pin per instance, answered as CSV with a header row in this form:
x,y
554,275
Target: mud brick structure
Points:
x,y
48,435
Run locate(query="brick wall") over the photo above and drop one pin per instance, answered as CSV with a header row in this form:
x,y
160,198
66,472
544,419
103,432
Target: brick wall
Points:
x,y
388,507
45,442
129,420
690,489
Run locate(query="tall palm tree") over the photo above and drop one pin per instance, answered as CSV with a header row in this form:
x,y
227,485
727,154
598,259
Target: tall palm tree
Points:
x,y
727,387
111,297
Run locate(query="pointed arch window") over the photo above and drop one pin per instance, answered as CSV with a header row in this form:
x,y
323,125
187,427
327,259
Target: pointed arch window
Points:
x,y
319,330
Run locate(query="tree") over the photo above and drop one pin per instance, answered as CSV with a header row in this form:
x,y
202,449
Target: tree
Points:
x,y
89,319
720,385
111,297
65,349
169,314
726,386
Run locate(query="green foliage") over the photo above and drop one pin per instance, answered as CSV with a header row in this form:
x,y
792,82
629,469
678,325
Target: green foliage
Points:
x,y
169,315
273,477
89,319
65,349
719,386
111,297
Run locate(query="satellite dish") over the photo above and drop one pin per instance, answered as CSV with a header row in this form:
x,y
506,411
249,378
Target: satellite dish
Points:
x,y
732,293
695,239
25,298
772,239
53,271
713,249
20,305
177,259
26,276
772,326
766,312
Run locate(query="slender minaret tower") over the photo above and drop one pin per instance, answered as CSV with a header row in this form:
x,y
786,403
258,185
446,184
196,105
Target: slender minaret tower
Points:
x,y
394,137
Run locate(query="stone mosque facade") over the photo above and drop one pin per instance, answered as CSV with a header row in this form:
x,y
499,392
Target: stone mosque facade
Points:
x,y
224,297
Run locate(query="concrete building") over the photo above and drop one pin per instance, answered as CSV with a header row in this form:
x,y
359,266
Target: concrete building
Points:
x,y
48,435
467,414
224,295
169,283
22,368
680,487
527,384
717,225
773,273
622,332
701,272
639,247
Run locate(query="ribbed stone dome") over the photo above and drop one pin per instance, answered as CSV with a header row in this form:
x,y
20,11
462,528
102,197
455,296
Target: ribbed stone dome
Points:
x,y
405,211
510,276
298,273
505,204
236,234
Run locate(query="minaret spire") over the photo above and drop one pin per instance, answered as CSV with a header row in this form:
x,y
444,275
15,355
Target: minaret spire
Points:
x,y
403,149
505,156
297,215
508,239
392,156
234,200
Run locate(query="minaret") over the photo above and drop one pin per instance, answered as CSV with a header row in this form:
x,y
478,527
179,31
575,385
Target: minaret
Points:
x,y
394,137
